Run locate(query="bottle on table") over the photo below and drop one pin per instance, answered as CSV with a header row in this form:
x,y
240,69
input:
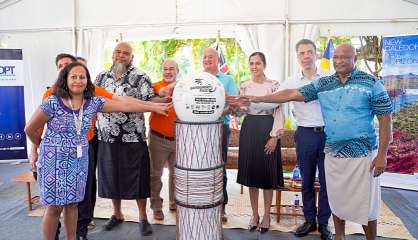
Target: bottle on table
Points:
x,y
296,176
296,202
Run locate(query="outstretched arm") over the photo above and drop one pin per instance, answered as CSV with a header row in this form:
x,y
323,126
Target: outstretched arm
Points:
x,y
282,96
135,106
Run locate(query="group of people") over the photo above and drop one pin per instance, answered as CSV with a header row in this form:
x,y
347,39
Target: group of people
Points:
x,y
102,124
336,134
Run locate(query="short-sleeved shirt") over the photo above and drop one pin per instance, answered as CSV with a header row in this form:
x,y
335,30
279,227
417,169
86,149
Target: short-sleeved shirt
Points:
x,y
160,123
98,91
230,88
120,126
308,114
349,111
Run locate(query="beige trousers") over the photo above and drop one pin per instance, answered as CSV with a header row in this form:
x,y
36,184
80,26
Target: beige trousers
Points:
x,y
162,151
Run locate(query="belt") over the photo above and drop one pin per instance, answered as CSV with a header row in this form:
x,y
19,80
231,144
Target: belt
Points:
x,y
315,129
155,133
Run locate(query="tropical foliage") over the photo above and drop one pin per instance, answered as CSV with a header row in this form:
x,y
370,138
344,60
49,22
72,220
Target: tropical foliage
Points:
x,y
149,56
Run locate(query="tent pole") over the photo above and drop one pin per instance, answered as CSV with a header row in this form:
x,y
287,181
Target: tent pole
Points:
x,y
73,29
286,42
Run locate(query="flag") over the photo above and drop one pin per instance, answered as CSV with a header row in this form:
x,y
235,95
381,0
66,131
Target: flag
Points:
x,y
222,66
327,56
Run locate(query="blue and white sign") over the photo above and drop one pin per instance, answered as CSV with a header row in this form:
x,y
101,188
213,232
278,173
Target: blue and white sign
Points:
x,y
12,106
400,69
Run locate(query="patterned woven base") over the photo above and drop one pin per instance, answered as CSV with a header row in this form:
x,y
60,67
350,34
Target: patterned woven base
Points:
x,y
239,213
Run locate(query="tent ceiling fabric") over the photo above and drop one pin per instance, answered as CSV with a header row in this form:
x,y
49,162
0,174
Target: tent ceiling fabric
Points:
x,y
6,3
39,15
348,11
412,1
48,14
44,28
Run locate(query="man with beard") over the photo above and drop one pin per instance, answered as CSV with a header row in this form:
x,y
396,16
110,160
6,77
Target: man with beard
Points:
x,y
123,158
210,63
162,145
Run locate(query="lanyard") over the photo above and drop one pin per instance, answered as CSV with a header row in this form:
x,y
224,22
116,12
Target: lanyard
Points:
x,y
78,122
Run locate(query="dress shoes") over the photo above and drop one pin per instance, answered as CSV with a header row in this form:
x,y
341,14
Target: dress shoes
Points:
x,y
264,229
145,228
253,225
112,223
81,237
326,234
305,229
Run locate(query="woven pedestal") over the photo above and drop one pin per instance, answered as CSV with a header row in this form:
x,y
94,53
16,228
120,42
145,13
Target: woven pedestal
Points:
x,y
199,180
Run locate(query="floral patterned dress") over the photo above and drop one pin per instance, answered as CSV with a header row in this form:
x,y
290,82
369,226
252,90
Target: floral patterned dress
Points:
x,y
61,175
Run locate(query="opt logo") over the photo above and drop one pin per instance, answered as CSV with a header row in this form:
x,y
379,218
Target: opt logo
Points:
x,y
7,70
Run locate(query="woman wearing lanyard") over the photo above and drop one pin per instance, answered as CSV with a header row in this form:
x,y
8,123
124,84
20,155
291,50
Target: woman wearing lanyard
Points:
x,y
63,158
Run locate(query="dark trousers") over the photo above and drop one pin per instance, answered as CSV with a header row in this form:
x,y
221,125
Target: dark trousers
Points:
x,y
86,207
225,141
310,145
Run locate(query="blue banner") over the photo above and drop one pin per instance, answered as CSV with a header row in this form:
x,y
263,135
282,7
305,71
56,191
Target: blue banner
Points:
x,y
12,106
400,69
400,75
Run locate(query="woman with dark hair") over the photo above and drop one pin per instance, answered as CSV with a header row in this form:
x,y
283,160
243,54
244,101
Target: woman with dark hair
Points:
x,y
63,159
259,161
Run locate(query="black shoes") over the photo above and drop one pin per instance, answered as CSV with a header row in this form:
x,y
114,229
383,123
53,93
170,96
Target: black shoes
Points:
x,y
253,225
81,237
305,228
264,229
112,223
145,228
326,234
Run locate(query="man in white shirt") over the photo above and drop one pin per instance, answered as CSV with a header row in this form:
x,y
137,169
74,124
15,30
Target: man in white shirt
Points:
x,y
310,143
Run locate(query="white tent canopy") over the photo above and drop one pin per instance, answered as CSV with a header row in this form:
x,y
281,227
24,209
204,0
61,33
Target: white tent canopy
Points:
x,y
45,28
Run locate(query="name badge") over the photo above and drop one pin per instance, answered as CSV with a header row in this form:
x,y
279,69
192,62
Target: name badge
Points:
x,y
79,151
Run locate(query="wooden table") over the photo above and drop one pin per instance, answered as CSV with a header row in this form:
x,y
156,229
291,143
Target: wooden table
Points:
x,y
27,178
290,209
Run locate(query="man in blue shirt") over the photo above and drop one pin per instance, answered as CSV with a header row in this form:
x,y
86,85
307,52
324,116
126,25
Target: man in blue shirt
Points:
x,y
349,100
210,63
